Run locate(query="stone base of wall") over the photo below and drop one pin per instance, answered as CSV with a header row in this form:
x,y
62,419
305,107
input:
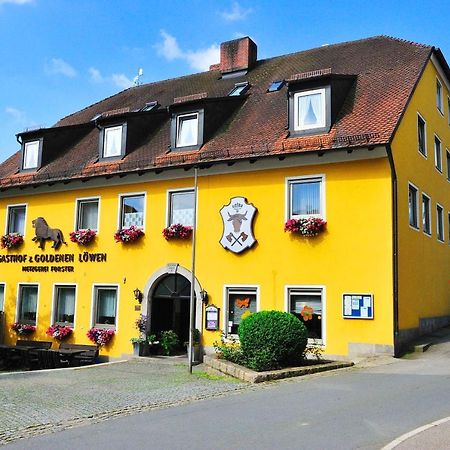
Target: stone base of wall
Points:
x,y
356,350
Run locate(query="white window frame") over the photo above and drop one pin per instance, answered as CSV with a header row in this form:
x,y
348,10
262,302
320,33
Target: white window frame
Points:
x,y
2,304
447,159
226,289
417,206
305,287
54,301
441,208
38,157
437,162
19,300
80,200
323,101
169,194
429,215
95,287
425,155
8,207
304,178
131,194
177,130
105,140
440,98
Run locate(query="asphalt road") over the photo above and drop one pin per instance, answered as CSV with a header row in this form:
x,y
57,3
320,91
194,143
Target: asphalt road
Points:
x,y
359,408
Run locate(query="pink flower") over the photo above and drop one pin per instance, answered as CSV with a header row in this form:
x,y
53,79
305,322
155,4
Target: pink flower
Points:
x,y
177,231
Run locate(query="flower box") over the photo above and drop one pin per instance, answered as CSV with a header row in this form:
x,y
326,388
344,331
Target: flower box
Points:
x,y
177,231
311,226
82,237
11,240
23,328
59,332
100,336
129,234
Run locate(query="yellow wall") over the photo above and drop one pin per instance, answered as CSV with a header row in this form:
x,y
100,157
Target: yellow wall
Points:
x,y
424,262
353,255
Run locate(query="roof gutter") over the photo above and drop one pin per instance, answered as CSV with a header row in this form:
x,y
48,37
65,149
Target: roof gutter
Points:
x,y
394,248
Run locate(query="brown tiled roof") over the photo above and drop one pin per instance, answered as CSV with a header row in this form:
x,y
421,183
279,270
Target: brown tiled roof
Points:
x,y
386,71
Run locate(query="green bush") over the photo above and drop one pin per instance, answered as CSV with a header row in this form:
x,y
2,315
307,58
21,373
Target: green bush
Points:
x,y
169,341
272,339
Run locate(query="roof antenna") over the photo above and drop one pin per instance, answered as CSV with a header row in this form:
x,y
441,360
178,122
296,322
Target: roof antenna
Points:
x,y
137,78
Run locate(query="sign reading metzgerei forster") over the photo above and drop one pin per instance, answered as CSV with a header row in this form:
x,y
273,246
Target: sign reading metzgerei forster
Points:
x,y
237,219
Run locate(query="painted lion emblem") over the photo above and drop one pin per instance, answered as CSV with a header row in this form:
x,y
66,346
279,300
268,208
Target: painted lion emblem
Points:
x,y
44,232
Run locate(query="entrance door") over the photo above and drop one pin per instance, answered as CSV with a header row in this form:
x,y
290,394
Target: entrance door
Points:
x,y
170,306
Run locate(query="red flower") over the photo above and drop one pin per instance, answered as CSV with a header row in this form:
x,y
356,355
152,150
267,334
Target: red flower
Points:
x,y
129,234
177,231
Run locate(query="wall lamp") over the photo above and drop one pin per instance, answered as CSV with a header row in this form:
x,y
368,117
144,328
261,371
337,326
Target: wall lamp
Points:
x,y
204,296
138,295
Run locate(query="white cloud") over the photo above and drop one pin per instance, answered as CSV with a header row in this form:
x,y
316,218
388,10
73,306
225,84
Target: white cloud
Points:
x,y
118,79
236,13
20,117
16,2
57,66
197,59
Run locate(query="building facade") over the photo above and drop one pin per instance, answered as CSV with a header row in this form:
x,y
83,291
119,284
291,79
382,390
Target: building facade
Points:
x,y
354,135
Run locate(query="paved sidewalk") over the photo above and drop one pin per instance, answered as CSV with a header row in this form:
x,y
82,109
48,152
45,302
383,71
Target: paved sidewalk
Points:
x,y
38,402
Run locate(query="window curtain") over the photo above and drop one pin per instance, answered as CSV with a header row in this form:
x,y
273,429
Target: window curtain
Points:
x,y
88,215
182,208
113,142
133,211
310,111
28,304
305,198
66,305
31,155
106,306
17,220
187,131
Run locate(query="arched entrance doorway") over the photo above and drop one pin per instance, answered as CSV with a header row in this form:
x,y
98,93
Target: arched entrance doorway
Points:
x,y
170,302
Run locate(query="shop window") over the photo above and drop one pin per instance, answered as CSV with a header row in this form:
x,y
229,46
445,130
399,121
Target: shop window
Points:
x,y
239,300
2,296
87,214
31,154
438,153
27,304
16,219
181,207
132,210
306,304
440,223
105,306
426,214
421,135
64,305
305,197
412,206
113,141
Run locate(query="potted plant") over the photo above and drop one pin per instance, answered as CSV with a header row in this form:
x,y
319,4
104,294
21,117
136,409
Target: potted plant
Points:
x,y
169,342
100,336
82,237
11,240
311,226
23,328
177,231
128,234
59,332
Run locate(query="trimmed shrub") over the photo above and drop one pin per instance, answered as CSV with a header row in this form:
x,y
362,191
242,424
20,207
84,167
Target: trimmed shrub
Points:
x,y
272,339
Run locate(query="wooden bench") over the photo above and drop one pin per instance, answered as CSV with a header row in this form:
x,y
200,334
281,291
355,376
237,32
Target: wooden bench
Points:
x,y
29,357
87,356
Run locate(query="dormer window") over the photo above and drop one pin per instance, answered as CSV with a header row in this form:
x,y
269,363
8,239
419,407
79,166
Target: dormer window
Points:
x,y
187,129
113,141
31,155
310,111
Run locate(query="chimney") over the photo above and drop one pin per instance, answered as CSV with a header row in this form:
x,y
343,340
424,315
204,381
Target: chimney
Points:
x,y
237,55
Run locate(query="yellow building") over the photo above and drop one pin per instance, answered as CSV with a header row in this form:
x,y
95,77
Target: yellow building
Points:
x,y
322,189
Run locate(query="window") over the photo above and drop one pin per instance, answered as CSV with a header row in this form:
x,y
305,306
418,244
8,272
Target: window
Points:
x,y
150,106
308,300
412,206
239,89
440,223
105,307
275,86
438,153
64,305
238,301
306,197
448,104
181,207
448,164
439,100
132,210
309,110
27,304
2,296
87,214
421,135
113,144
16,219
31,155
187,130
426,214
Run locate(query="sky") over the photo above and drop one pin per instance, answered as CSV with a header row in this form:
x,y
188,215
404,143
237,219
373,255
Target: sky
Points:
x,y
59,56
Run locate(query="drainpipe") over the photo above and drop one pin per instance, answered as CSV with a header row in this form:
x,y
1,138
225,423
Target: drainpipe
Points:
x,y
394,247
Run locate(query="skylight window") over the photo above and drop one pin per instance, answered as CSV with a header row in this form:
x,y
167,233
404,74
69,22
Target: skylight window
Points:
x,y
150,106
97,116
239,89
275,86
